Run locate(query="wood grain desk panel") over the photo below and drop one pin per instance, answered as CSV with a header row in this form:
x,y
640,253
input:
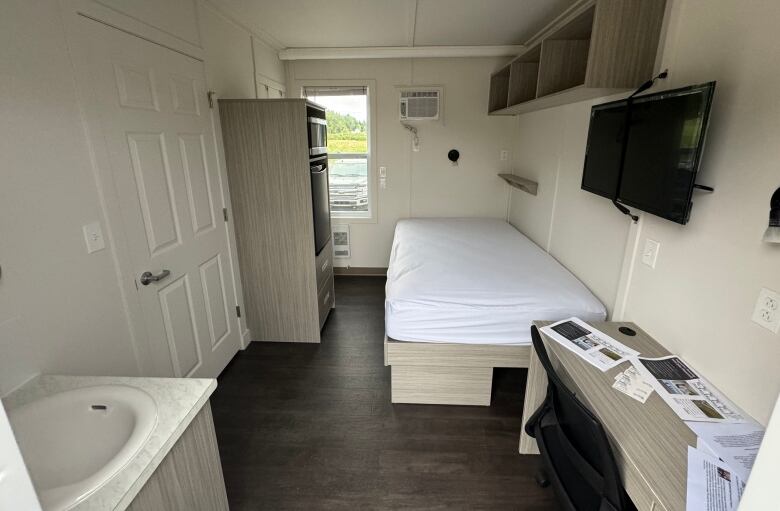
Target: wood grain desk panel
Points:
x,y
649,440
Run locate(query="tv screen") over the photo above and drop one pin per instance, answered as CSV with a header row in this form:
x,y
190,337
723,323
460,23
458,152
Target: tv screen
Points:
x,y
605,145
662,140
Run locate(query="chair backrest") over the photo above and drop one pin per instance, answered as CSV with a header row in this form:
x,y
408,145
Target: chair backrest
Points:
x,y
581,438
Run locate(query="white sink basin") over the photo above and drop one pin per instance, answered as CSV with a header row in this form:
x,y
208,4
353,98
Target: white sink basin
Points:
x,y
73,442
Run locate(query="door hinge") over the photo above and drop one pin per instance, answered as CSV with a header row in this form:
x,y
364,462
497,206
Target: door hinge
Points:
x,y
238,311
210,95
224,214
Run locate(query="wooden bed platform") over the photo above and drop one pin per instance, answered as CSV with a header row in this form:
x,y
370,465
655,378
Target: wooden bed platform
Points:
x,y
448,373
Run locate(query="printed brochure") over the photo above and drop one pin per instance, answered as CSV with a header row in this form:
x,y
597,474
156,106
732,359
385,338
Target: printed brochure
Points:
x,y
692,397
592,345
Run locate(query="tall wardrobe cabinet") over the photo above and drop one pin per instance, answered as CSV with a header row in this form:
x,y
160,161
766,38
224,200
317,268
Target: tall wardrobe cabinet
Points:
x,y
279,194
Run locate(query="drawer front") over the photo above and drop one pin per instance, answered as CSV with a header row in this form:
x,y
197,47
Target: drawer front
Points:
x,y
324,262
325,300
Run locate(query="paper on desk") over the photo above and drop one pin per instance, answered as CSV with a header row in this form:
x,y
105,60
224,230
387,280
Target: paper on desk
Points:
x,y
631,383
736,444
595,347
712,486
690,396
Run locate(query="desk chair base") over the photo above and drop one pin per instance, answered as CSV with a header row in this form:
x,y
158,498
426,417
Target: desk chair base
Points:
x,y
542,479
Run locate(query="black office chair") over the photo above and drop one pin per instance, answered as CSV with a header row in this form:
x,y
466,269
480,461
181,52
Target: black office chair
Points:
x,y
575,449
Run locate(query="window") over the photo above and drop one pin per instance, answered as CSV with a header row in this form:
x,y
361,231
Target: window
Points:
x,y
348,148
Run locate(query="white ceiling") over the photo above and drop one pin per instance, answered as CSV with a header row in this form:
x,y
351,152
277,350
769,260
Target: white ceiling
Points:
x,y
368,23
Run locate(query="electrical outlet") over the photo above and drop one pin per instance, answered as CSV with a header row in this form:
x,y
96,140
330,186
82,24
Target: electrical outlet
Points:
x,y
650,253
767,311
93,237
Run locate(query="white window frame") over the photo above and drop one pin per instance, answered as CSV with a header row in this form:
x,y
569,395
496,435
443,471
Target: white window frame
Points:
x,y
370,85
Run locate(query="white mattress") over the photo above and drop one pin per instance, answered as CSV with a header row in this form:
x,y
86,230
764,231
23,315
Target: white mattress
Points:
x,y
476,281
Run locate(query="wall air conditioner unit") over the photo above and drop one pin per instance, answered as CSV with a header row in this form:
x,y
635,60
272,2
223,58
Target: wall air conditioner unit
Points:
x,y
341,241
420,104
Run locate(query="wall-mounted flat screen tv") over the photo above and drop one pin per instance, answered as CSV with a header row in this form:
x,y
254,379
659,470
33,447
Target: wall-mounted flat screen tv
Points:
x,y
646,154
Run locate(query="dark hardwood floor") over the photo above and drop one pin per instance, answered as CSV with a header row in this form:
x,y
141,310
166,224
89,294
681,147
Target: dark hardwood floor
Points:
x,y
312,427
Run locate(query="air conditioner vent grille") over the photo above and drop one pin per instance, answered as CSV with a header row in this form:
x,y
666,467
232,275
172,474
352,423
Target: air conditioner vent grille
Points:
x,y
420,94
420,105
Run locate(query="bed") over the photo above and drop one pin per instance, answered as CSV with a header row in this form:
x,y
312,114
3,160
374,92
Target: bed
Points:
x,y
460,299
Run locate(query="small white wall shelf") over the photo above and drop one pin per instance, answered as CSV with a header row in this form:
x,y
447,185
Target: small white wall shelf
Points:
x,y
520,183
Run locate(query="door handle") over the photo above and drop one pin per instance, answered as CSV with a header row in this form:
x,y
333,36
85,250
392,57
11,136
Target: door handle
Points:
x,y
148,277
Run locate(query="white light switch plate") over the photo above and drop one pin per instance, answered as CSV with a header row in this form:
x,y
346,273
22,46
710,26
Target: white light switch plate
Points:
x,y
650,253
503,155
93,236
767,311
382,171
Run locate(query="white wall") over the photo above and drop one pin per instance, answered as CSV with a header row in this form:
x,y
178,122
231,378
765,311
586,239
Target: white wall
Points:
x,y
423,183
536,156
701,295
229,47
61,310
228,59
267,61
699,298
579,229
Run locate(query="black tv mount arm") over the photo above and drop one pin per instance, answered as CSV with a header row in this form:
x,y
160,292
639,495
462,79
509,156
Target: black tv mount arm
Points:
x,y
625,210
649,83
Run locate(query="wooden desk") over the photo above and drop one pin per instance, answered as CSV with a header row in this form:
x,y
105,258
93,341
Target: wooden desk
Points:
x,y
649,441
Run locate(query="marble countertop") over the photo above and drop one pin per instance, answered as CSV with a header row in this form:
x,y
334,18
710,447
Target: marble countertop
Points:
x,y
179,400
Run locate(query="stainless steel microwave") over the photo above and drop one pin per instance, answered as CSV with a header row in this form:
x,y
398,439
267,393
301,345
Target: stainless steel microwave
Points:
x,y
318,136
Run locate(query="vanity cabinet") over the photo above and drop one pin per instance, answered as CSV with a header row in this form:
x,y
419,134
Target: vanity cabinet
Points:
x,y
190,476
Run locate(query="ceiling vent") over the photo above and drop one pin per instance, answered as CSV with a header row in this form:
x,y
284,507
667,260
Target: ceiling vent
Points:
x,y
341,241
421,104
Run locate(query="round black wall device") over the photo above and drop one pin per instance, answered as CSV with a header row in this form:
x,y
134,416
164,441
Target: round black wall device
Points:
x,y
453,155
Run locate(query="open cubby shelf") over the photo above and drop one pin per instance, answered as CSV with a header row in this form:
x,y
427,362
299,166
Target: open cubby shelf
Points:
x,y
499,89
597,48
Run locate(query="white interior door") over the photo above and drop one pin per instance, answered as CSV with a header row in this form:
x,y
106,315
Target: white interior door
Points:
x,y
154,122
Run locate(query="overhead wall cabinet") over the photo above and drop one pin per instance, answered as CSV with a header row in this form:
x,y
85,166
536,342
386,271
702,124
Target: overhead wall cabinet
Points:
x,y
597,48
